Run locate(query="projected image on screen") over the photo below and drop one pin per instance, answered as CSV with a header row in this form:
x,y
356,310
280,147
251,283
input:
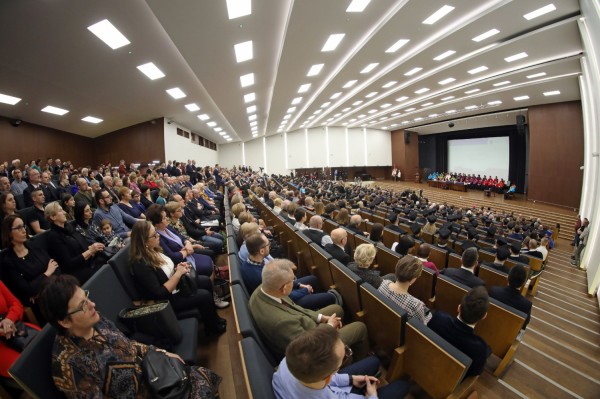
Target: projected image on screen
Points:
x,y
485,156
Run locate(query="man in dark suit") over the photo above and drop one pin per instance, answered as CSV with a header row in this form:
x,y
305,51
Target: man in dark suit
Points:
x,y
459,331
315,231
49,188
442,242
354,225
336,249
34,177
533,250
470,241
515,254
511,295
465,275
502,254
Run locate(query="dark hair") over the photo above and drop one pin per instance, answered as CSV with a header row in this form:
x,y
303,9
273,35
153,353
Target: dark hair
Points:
x,y
64,199
144,188
3,198
54,297
7,229
35,190
311,357
405,244
329,208
502,253
299,214
517,276
99,196
424,250
376,232
469,257
154,214
254,243
78,211
474,305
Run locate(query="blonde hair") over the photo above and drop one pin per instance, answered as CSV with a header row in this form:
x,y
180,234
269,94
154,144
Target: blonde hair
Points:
x,y
364,255
52,209
407,268
247,229
171,207
139,251
237,209
277,202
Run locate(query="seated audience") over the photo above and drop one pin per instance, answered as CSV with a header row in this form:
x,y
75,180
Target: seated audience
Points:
x,y
337,249
534,250
364,255
84,224
465,275
124,195
408,270
312,369
280,320
376,234
404,245
502,253
315,231
34,215
300,217
91,357
84,193
68,204
511,294
107,210
423,255
342,218
236,210
157,278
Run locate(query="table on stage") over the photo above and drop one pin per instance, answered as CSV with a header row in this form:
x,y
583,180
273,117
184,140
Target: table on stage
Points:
x,y
448,185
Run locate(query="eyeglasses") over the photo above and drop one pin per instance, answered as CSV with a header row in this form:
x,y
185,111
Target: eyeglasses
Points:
x,y
19,227
155,235
84,305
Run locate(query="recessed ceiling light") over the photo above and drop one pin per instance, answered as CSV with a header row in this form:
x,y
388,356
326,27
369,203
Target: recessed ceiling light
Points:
x,y
422,90
329,120
386,105
402,98
10,100
346,109
427,104
497,102
396,46
203,117
471,107
335,95
238,8
485,35
229,139
515,57
248,98
247,80
222,133
539,12
252,117
317,112
369,67
91,119
325,105
315,69
358,5
521,98
176,93
389,84
396,114
192,107
413,71
478,69
333,41
54,110
552,93
355,103
536,75
296,100
418,119
405,122
253,123
211,124
503,83
447,98
451,111
251,109
439,14
110,35
445,54
472,91
338,114
304,88
310,117
243,51
151,71
446,81
349,84
290,110
218,129
371,111
432,115
409,109
361,116
382,118
371,94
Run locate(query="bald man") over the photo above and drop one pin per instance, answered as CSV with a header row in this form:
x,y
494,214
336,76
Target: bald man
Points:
x,y
354,225
337,248
315,231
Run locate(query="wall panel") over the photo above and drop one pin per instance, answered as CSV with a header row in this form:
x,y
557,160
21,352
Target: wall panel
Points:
x,y
379,148
356,147
337,146
317,147
181,148
230,154
253,150
296,145
276,155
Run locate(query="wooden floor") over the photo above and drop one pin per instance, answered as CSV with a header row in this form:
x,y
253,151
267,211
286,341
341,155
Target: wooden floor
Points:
x,y
559,356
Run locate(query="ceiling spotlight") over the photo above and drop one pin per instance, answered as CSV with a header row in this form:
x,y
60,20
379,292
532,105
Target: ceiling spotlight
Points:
x,y
16,122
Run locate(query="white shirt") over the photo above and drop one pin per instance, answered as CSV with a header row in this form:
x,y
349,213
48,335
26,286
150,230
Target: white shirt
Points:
x,y
168,268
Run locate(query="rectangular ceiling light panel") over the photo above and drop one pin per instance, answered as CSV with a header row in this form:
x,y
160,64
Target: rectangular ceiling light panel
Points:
x,y
110,35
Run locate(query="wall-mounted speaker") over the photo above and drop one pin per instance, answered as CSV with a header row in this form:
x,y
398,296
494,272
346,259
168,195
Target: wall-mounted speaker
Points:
x,y
406,137
521,124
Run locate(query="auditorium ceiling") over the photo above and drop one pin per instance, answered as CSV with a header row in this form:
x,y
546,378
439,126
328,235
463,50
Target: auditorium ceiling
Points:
x,y
379,64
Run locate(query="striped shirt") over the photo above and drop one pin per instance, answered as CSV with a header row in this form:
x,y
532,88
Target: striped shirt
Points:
x,y
412,305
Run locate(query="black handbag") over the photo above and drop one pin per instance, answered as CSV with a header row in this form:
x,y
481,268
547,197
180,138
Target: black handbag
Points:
x,y
187,283
23,336
167,378
156,320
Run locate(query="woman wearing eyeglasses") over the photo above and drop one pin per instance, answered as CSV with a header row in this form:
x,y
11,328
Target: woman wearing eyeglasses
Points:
x,y
91,358
24,266
157,278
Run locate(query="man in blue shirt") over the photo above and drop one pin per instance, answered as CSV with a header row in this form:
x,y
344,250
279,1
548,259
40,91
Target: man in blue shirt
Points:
x,y
114,214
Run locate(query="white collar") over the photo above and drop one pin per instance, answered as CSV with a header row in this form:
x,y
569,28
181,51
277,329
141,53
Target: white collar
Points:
x,y
278,300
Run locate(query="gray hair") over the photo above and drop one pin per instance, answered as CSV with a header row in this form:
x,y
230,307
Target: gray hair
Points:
x,y
275,274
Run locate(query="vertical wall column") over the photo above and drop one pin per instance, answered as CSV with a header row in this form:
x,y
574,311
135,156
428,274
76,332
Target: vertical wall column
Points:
x,y
405,153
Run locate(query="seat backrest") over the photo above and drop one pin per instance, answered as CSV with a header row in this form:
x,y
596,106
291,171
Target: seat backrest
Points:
x,y
33,369
20,200
438,256
235,273
258,372
501,327
535,263
120,264
304,257
320,266
390,237
360,239
107,292
423,287
232,247
329,225
492,277
448,294
430,361
40,240
347,283
427,237
486,256
454,261
245,322
386,259
384,319
351,239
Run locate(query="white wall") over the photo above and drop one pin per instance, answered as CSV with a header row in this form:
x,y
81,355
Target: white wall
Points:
x,y
311,148
181,149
